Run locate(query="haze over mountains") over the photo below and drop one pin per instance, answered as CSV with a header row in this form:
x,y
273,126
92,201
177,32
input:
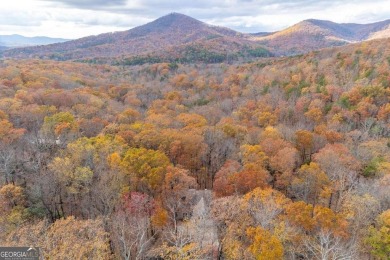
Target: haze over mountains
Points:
x,y
15,40
185,38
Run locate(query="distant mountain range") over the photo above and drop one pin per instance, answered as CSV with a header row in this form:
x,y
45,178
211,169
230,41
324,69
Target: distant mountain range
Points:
x,y
174,35
15,40
177,37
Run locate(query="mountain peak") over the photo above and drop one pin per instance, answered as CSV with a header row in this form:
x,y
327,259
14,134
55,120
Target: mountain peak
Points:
x,y
175,20
165,25
317,21
177,15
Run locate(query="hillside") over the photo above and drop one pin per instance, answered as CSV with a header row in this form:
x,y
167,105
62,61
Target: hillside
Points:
x,y
313,34
195,161
177,37
166,33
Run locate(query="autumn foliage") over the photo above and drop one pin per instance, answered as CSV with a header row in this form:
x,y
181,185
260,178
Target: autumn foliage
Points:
x,y
284,158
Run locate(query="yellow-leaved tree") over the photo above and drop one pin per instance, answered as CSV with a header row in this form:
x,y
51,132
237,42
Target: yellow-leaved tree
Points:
x,y
264,244
379,237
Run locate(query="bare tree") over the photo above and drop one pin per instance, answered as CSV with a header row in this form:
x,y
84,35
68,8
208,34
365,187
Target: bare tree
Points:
x,y
326,246
131,235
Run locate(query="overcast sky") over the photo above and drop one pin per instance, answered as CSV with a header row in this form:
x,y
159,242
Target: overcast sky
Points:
x,y
77,18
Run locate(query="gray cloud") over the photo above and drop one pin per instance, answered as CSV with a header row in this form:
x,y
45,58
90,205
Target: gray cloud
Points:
x,y
12,19
200,8
90,4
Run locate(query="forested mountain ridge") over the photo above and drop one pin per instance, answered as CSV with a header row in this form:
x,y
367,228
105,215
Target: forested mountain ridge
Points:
x,y
180,38
314,34
294,153
168,32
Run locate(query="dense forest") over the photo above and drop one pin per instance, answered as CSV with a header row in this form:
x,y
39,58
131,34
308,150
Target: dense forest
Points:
x,y
282,158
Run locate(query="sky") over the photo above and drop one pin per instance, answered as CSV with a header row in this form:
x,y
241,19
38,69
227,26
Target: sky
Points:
x,y
71,19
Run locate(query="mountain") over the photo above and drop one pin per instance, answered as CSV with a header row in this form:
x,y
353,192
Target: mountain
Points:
x,y
314,34
170,34
15,40
177,37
